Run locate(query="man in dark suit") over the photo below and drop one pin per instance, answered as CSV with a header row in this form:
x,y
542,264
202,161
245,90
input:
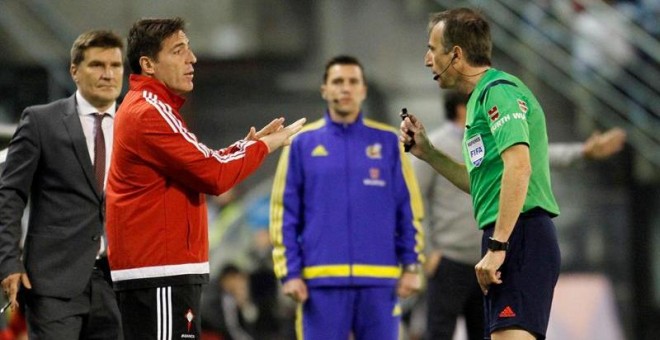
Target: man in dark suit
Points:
x,y
58,157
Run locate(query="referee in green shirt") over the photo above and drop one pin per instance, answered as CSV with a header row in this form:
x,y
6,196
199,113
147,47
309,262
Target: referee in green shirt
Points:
x,y
506,171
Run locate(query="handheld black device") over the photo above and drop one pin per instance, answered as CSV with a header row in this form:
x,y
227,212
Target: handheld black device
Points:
x,y
406,147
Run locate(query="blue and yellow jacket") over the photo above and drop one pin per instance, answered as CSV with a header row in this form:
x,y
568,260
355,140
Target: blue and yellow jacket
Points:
x,y
345,206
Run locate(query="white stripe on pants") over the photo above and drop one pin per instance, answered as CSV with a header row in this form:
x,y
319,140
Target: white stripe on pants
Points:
x,y
164,312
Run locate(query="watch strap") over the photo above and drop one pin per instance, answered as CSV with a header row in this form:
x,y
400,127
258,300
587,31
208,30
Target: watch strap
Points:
x,y
495,245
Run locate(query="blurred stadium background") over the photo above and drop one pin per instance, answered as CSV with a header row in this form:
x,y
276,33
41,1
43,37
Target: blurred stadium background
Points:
x,y
593,65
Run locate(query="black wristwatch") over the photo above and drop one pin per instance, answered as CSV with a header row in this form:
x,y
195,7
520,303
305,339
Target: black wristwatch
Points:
x,y
495,245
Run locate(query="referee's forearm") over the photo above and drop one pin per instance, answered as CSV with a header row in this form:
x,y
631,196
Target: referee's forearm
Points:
x,y
453,171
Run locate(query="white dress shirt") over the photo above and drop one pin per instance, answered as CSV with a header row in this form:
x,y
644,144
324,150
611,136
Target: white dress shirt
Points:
x,y
86,114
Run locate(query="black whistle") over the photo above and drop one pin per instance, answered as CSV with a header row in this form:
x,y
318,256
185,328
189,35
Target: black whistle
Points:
x,y
407,146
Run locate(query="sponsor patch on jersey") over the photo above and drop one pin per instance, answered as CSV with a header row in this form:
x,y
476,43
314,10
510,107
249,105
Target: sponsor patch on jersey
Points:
x,y
374,178
476,149
374,151
493,113
522,105
319,151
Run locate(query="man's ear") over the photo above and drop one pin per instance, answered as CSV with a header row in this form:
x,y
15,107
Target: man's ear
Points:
x,y
73,70
147,65
323,95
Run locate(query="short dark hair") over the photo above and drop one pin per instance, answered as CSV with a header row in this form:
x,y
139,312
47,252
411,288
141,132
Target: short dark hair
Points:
x,y
468,29
230,269
145,38
95,38
343,60
454,99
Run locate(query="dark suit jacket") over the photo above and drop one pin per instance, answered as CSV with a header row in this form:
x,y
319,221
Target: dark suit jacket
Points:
x,y
48,161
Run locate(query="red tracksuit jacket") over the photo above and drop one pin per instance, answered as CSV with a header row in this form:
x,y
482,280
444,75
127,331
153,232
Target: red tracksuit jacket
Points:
x,y
156,214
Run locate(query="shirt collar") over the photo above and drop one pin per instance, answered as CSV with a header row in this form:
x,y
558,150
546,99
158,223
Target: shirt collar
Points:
x,y
330,122
85,108
139,82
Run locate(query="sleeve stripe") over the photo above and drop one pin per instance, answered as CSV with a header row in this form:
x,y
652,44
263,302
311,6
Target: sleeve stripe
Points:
x,y
176,125
277,215
153,100
416,204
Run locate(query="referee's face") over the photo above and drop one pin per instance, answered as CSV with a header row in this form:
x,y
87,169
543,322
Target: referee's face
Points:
x,y
438,59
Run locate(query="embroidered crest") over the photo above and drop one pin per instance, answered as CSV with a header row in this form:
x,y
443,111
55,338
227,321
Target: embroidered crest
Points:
x,y
374,151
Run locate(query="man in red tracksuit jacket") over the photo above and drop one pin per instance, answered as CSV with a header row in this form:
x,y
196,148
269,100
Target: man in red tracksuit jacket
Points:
x,y
156,214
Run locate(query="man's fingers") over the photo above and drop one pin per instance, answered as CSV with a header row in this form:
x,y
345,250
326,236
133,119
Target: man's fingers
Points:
x,y
406,291
409,127
296,126
303,297
487,278
298,295
482,278
252,134
484,289
274,126
402,292
25,280
292,129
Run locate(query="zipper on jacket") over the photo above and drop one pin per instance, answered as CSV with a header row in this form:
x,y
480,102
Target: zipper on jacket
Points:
x,y
346,139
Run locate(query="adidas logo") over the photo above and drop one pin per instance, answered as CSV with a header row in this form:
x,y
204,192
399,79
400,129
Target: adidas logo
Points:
x,y
507,312
319,150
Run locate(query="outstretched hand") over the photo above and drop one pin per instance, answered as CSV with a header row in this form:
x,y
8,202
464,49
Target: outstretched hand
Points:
x,y
275,134
274,126
604,145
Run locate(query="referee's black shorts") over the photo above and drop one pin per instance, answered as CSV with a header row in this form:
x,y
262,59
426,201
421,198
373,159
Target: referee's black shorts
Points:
x,y
529,274
163,313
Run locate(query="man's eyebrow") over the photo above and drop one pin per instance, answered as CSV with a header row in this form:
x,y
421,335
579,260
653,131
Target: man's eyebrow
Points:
x,y
183,43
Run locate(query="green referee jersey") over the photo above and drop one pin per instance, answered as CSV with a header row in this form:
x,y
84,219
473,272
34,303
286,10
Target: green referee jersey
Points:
x,y
503,112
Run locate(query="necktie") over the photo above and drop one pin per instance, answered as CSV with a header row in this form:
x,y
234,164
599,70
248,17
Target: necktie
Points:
x,y
99,150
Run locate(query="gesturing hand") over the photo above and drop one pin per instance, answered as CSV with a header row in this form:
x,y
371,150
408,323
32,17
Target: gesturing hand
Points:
x,y
275,125
604,145
275,135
